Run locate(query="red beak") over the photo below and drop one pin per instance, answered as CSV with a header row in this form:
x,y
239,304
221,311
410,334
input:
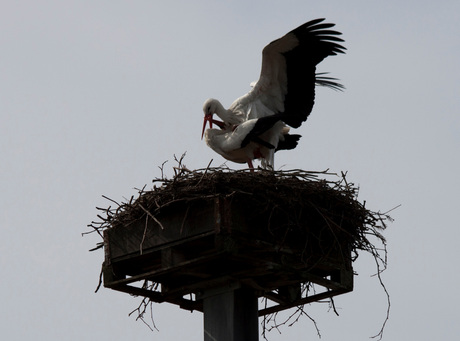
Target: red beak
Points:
x,y
207,118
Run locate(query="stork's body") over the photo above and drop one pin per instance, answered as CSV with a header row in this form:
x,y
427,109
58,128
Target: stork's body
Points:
x,y
257,124
237,143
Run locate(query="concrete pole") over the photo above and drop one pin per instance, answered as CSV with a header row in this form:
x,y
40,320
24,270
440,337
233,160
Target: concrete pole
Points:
x,y
231,316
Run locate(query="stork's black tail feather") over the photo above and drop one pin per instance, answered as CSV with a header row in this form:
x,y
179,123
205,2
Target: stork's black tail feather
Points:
x,y
289,142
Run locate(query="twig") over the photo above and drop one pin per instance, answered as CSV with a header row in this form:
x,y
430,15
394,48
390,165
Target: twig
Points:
x,y
152,216
205,172
100,280
162,168
105,197
144,234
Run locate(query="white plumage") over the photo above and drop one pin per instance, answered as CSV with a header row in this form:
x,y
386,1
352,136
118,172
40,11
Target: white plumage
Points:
x,y
257,124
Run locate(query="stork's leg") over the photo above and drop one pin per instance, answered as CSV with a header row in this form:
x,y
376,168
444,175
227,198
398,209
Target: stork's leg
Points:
x,y
250,165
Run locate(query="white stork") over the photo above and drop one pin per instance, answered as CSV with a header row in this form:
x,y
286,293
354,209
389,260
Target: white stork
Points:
x,y
257,124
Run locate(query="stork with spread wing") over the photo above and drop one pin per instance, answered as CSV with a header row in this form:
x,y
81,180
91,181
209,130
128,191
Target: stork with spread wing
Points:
x,y
257,124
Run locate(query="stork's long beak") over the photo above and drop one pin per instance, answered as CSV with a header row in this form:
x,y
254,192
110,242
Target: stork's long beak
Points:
x,y
207,118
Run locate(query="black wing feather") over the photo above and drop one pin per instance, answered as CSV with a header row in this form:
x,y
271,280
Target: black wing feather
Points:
x,y
315,43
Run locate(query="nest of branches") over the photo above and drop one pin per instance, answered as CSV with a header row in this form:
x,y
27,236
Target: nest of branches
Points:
x,y
329,196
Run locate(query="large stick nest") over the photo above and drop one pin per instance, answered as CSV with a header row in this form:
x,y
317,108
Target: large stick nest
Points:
x,y
328,195
333,199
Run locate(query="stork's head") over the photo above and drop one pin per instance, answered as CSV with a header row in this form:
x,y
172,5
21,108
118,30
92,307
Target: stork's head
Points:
x,y
210,107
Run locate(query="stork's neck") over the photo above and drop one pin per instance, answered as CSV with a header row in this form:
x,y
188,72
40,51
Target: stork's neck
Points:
x,y
219,110
225,115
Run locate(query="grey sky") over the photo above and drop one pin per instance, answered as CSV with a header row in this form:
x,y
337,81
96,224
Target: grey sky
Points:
x,y
94,95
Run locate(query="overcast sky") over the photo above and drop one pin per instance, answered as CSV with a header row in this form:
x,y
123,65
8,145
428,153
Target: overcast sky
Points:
x,y
95,95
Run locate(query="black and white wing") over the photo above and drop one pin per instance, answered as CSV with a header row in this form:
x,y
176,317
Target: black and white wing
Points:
x,y
288,77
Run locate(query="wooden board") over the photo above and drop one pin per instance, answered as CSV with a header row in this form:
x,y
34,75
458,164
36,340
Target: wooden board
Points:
x,y
191,248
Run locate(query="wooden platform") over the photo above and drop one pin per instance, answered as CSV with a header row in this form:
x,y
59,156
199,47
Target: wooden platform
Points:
x,y
223,243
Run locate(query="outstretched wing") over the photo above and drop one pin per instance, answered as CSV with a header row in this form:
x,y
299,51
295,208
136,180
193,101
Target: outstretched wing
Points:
x,y
287,80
